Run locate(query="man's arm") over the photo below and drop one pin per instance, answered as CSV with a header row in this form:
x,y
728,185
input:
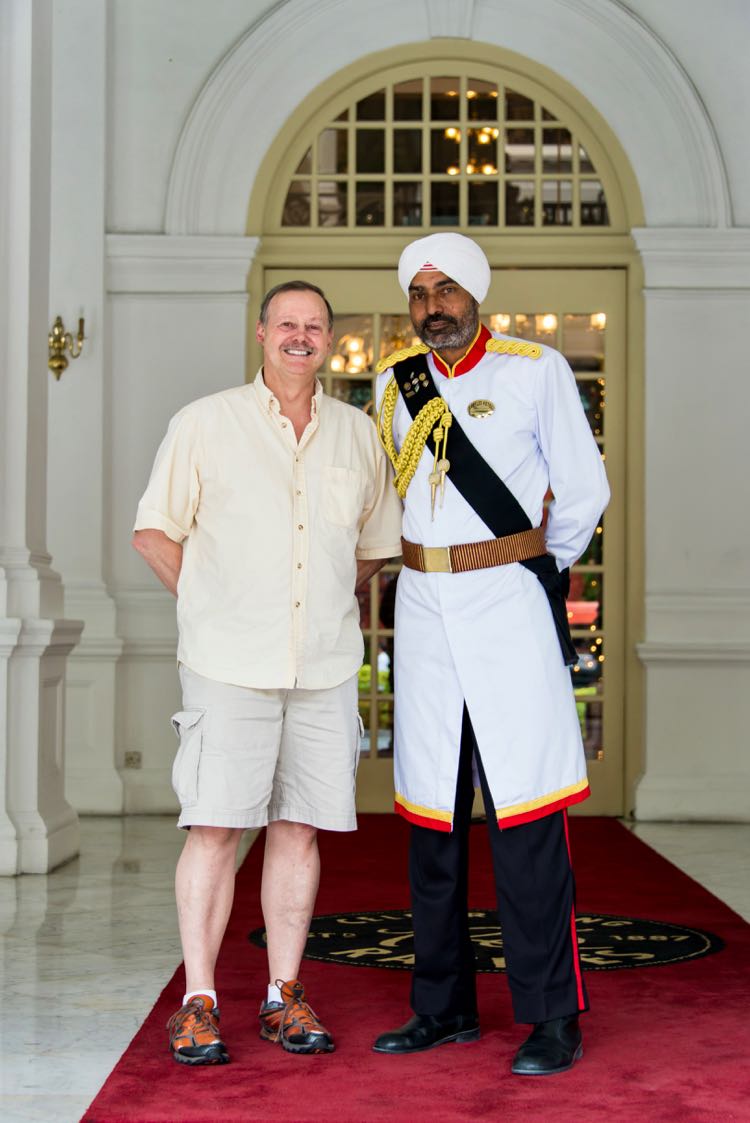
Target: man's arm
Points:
x,y
165,556
368,569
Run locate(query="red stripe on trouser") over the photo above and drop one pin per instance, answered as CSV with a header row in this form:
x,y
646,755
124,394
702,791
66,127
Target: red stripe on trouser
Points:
x,y
573,934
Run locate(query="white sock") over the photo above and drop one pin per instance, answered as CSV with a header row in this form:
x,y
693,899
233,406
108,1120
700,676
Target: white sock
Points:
x,y
204,990
274,994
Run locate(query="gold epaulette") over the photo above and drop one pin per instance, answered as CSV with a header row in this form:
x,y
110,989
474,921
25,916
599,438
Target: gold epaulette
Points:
x,y
399,356
514,347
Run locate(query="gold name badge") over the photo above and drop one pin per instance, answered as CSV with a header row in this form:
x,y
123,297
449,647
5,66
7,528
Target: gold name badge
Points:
x,y
481,408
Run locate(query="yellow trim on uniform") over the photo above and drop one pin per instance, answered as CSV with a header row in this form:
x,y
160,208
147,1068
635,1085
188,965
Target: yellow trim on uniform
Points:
x,y
542,801
514,347
399,356
452,370
434,417
428,812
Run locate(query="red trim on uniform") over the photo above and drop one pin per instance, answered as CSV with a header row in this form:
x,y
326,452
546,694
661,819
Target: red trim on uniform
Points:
x,y
422,820
546,809
573,933
476,352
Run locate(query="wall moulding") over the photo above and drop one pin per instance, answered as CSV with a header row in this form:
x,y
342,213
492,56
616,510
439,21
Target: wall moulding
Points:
x,y
675,654
694,258
719,619
159,263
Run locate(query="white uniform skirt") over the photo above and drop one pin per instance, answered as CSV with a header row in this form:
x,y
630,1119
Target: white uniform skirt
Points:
x,y
486,639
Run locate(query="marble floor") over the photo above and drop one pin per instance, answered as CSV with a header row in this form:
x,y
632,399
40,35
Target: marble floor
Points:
x,y
87,949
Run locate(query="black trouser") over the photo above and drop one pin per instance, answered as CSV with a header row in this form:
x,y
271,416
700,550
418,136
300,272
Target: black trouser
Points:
x,y
535,898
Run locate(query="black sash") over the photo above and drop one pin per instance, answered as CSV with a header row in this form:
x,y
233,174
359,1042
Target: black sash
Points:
x,y
486,493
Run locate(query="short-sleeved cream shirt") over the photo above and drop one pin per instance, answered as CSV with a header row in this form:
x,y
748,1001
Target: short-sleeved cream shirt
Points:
x,y
271,531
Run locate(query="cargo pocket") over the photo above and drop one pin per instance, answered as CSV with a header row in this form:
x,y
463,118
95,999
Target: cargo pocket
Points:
x,y
188,725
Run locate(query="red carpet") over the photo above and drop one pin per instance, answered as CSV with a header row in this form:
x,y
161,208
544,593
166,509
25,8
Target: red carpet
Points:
x,y
667,1044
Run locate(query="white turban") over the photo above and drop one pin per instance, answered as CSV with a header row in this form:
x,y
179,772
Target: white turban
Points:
x,y
458,257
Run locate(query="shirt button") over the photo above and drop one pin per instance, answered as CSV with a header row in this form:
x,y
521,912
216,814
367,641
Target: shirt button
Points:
x,y
296,604
298,492
300,527
299,565
283,424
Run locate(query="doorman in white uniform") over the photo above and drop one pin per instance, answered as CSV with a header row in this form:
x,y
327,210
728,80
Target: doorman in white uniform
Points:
x,y
480,427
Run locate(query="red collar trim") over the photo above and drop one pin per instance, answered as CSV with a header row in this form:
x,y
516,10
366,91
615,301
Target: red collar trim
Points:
x,y
468,361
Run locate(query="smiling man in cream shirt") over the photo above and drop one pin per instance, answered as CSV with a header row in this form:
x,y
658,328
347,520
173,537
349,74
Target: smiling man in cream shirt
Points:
x,y
267,505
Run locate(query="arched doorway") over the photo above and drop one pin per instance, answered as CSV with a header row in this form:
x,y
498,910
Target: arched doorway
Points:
x,y
459,136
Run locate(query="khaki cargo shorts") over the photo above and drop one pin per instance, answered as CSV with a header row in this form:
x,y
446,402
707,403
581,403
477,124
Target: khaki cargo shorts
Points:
x,y
248,757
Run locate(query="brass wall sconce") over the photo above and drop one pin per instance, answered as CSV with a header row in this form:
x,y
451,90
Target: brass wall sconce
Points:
x,y
61,341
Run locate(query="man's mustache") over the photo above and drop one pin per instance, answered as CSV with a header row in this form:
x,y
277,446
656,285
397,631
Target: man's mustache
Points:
x,y
435,318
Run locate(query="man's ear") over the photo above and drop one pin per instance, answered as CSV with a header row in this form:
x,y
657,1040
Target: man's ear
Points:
x,y
260,332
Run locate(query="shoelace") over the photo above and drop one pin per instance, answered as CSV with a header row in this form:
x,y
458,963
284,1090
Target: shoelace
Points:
x,y
202,1018
296,1011
301,1013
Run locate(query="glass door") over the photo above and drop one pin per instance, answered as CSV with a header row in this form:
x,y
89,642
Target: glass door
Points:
x,y
582,314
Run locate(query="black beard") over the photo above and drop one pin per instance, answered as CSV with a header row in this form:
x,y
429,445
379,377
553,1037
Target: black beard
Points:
x,y
459,333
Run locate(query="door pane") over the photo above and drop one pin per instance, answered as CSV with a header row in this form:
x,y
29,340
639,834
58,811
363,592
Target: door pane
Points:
x,y
352,344
483,204
370,150
396,332
557,202
332,203
444,98
370,204
407,150
407,101
445,204
482,99
519,203
332,152
407,204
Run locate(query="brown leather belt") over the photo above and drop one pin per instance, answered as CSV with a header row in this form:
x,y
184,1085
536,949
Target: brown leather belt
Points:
x,y
474,555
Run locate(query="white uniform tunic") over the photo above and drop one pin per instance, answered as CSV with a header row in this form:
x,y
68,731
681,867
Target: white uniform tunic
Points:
x,y
487,637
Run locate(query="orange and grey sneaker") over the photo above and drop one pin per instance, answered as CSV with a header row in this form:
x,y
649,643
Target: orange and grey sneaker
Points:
x,y
194,1037
293,1023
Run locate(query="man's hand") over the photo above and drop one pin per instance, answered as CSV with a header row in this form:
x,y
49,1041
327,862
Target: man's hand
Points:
x,y
162,554
366,570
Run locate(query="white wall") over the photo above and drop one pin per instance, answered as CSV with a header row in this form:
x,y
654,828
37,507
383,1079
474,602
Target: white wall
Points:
x,y
197,93
163,51
711,42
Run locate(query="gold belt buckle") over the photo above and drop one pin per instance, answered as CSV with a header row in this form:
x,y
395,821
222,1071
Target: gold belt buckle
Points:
x,y
437,559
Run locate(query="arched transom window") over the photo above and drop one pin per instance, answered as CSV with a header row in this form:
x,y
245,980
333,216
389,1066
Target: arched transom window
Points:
x,y
444,150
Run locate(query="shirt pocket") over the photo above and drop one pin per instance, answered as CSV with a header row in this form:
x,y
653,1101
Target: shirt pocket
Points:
x,y
343,496
188,725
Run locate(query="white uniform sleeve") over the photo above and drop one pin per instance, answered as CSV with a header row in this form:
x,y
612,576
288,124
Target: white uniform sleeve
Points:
x,y
380,384
576,471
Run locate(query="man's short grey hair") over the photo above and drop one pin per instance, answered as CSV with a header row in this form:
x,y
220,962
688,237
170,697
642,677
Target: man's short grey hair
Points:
x,y
293,286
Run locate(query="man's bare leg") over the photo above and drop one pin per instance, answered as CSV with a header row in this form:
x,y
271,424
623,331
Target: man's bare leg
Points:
x,y
291,873
204,886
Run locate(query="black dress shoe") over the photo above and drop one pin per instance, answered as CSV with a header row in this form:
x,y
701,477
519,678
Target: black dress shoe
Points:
x,y
425,1031
551,1047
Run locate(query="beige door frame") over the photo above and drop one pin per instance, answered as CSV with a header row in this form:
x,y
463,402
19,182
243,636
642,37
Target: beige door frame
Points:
x,y
535,290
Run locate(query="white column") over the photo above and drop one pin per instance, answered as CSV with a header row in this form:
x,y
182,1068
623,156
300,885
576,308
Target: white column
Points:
x,y
45,827
697,644
76,475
